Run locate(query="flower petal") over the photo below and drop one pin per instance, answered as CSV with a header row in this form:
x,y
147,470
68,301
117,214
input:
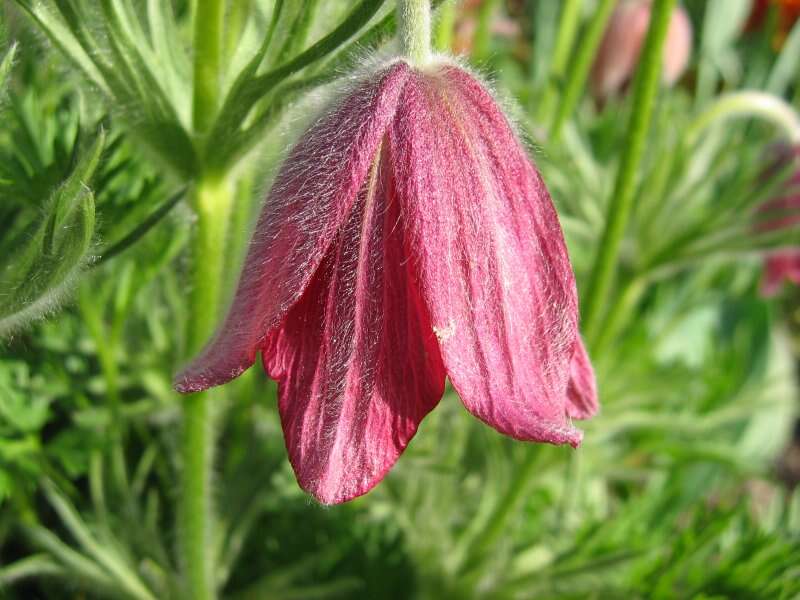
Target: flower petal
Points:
x,y
356,359
490,256
308,203
582,389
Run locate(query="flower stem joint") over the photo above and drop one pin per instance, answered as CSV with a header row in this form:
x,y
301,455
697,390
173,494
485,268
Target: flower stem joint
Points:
x,y
407,238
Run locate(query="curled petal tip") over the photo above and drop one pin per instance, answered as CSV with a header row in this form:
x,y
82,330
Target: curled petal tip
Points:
x,y
582,402
183,386
575,440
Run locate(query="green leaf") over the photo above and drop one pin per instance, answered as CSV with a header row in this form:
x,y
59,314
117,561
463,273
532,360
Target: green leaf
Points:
x,y
248,90
78,565
67,37
784,72
112,50
49,255
722,22
34,566
6,64
142,228
107,557
22,411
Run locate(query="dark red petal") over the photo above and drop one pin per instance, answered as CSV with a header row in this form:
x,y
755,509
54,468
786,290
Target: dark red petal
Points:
x,y
356,360
490,255
310,200
582,390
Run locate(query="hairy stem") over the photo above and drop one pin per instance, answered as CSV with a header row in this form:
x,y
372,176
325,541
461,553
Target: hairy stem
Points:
x,y
622,200
414,29
208,27
213,207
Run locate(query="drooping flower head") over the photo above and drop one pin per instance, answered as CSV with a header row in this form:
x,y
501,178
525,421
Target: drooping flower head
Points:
x,y
778,214
623,41
407,238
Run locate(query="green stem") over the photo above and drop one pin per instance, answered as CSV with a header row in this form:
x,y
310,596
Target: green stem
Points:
x,y
445,26
414,30
619,314
208,49
583,62
212,206
482,44
196,508
567,28
749,103
105,345
621,205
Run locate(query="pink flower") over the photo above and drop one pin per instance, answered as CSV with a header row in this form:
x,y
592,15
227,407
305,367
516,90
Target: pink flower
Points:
x,y
623,41
782,213
407,238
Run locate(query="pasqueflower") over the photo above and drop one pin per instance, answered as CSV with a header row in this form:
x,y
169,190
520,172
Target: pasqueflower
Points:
x,y
618,55
406,238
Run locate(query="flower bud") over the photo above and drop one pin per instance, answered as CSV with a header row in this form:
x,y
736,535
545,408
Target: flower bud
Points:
x,y
616,60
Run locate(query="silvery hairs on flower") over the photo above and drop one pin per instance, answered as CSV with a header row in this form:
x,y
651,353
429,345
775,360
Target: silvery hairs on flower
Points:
x,y
407,238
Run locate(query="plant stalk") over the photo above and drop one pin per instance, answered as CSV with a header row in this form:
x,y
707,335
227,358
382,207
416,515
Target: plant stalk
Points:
x,y
213,199
567,29
414,30
619,314
481,45
748,103
208,51
622,201
445,26
579,70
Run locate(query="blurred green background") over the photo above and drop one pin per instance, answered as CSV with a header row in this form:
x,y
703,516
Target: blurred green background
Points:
x,y
684,485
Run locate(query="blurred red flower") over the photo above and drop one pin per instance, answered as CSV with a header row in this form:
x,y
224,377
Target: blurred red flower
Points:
x,y
788,13
781,213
